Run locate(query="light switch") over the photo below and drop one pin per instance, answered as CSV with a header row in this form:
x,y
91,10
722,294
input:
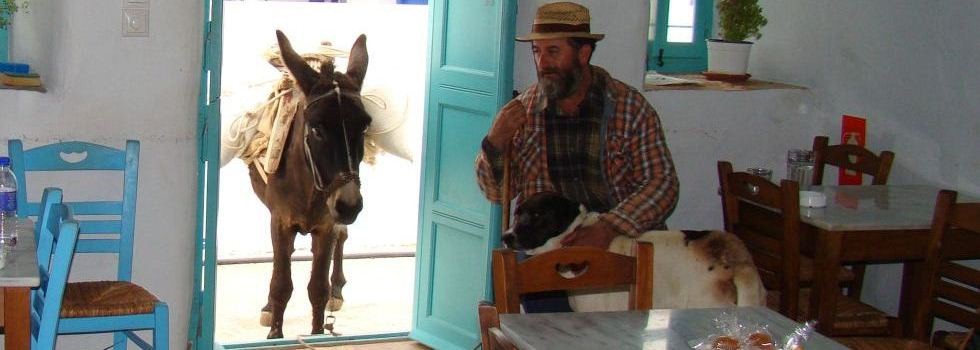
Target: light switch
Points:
x,y
135,22
136,4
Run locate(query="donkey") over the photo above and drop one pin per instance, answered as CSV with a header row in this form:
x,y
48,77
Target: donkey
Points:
x,y
316,189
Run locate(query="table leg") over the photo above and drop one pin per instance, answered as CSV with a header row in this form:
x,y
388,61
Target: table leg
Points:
x,y
912,281
823,299
16,318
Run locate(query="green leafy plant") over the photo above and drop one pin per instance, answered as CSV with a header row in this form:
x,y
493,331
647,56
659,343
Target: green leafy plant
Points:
x,y
740,19
7,10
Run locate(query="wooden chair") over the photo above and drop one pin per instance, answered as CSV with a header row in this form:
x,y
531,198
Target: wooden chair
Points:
x,y
850,157
540,273
118,306
604,269
950,290
57,236
773,239
856,158
491,336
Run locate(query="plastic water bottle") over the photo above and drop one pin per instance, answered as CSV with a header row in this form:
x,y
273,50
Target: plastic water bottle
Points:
x,y
8,205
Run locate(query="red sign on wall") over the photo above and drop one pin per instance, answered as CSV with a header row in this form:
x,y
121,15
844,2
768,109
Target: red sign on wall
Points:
x,y
853,131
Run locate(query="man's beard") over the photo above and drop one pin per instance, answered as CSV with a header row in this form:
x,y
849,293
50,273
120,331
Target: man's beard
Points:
x,y
561,86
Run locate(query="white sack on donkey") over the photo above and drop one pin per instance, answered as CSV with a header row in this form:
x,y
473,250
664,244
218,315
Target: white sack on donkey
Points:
x,y
692,269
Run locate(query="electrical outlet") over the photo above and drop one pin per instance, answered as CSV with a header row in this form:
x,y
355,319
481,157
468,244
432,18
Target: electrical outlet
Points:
x,y
135,22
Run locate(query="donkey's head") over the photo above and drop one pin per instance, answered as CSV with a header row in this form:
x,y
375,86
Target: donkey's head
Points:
x,y
334,122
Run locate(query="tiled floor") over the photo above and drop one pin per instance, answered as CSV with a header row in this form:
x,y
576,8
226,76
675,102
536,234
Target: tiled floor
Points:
x,y
378,299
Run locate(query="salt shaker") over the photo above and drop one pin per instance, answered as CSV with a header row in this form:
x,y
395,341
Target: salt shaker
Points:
x,y
799,166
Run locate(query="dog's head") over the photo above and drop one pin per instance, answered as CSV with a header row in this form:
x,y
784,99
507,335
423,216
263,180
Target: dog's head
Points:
x,y
540,218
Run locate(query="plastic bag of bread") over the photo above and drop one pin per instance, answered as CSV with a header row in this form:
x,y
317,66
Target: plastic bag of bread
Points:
x,y
733,334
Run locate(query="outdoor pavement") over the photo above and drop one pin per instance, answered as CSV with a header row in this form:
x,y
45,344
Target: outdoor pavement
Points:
x,y
378,299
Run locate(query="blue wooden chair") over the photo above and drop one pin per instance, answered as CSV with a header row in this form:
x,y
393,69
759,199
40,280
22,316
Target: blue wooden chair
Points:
x,y
106,226
57,238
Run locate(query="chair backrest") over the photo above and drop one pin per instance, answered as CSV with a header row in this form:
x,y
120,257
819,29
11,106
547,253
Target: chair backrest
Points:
x,y
772,237
850,157
57,240
106,225
599,269
951,288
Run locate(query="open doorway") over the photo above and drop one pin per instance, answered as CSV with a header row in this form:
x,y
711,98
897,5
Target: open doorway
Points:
x,y
379,263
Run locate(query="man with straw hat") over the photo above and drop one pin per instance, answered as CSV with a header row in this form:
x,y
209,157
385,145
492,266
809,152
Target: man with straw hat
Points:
x,y
582,133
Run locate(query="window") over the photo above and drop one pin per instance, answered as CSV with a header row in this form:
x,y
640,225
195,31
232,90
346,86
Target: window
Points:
x,y
3,46
678,29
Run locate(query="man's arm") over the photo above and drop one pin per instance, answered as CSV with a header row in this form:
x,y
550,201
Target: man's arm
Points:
x,y
656,197
489,171
490,160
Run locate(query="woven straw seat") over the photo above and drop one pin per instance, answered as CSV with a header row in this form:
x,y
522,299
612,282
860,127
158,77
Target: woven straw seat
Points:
x,y
882,343
106,298
850,314
949,340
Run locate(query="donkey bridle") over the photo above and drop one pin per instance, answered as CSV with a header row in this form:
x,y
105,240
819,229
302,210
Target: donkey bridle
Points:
x,y
346,177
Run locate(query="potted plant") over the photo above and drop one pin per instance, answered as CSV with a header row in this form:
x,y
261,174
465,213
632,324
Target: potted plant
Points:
x,y
739,20
7,10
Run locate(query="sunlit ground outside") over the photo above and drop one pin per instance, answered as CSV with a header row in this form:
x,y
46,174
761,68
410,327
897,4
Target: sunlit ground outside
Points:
x,y
378,294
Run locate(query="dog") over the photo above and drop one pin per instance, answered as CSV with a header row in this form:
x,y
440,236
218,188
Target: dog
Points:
x,y
692,269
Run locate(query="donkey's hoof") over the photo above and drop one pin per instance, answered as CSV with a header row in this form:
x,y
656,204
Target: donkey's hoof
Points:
x,y
275,333
266,320
335,304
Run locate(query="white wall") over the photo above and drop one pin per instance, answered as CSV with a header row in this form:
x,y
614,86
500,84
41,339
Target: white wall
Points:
x,y
105,88
908,66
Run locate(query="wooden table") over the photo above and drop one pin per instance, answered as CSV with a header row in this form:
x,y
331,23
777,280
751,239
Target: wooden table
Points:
x,y
648,330
17,277
868,224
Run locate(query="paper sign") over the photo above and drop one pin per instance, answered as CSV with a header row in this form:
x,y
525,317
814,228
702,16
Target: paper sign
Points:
x,y
853,131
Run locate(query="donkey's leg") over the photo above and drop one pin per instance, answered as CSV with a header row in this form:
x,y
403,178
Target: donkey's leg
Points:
x,y
281,285
337,279
317,289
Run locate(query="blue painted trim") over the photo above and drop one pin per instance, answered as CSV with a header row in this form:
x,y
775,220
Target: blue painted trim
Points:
x,y
5,42
4,46
681,57
200,326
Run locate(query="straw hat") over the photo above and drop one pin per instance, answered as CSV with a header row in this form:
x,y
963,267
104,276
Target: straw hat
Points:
x,y
561,20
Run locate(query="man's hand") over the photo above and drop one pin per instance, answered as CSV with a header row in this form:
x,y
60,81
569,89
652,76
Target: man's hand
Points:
x,y
597,235
510,118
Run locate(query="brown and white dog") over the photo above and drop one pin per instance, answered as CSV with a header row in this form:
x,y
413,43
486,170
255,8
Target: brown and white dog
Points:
x,y
692,269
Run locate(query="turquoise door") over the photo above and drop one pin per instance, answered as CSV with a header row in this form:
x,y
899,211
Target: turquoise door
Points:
x,y
200,328
470,76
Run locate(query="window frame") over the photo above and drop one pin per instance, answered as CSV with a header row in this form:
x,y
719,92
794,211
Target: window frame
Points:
x,y
679,57
4,43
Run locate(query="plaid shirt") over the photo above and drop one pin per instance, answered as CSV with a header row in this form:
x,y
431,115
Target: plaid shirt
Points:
x,y
574,146
636,163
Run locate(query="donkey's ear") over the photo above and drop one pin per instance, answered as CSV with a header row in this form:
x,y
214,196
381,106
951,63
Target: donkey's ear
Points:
x,y
304,75
358,61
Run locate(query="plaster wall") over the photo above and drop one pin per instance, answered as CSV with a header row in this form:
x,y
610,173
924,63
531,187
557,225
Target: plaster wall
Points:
x,y
105,88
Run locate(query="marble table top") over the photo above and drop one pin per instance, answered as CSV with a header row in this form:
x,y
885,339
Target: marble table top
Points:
x,y
647,330
20,263
875,207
